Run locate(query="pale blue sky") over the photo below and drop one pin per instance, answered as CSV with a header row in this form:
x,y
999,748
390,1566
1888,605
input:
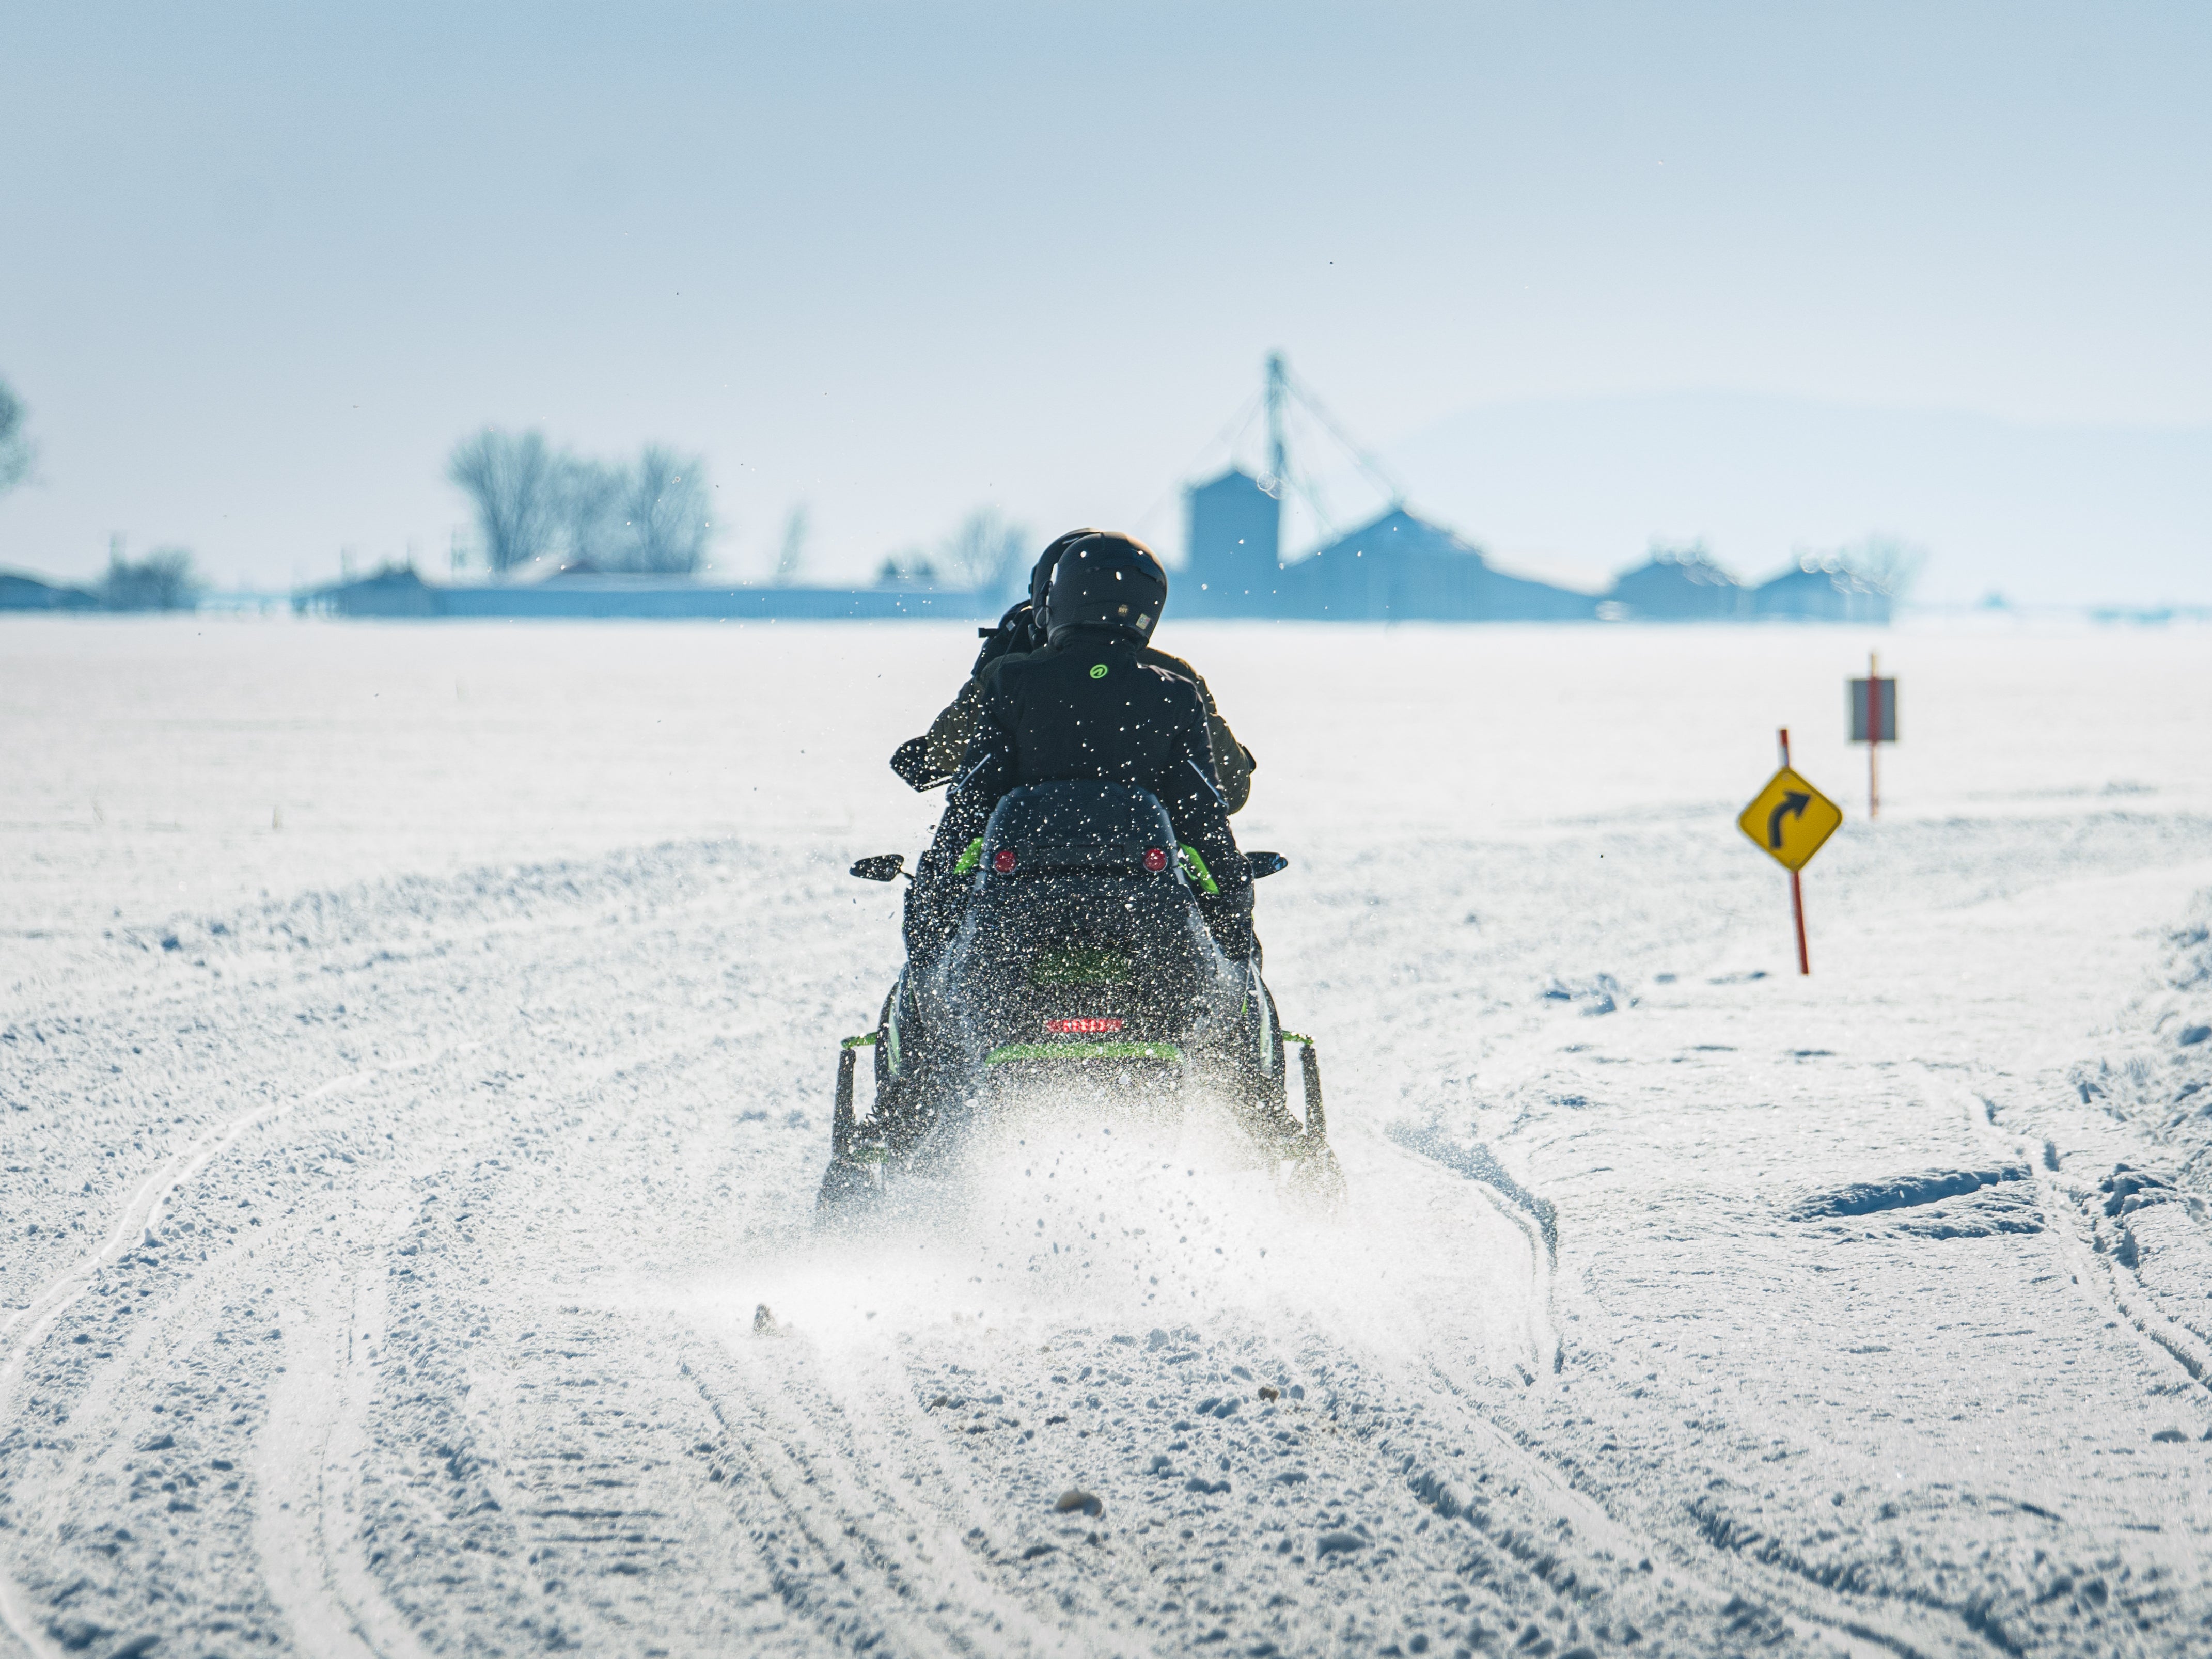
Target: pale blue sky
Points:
x,y
263,264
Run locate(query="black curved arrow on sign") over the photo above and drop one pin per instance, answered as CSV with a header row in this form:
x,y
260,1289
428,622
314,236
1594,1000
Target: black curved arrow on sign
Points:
x,y
1793,806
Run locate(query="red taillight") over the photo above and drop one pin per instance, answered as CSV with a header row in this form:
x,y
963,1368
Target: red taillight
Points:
x,y
1003,860
1155,860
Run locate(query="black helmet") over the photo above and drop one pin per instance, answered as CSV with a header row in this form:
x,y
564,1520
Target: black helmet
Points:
x,y
1041,574
1106,581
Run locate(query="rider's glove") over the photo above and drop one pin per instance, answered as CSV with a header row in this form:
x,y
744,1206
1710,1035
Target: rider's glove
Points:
x,y
910,760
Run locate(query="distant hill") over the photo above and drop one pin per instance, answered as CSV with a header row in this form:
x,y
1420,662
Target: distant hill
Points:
x,y
1577,490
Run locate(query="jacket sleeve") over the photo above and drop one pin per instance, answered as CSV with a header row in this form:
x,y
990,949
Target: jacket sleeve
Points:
x,y
954,724
987,768
1197,807
1233,764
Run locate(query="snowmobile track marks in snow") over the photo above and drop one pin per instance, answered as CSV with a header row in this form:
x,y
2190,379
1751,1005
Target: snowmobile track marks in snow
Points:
x,y
140,1214
1723,1580
823,1485
309,1458
136,1224
2092,1266
1732,1586
1479,1164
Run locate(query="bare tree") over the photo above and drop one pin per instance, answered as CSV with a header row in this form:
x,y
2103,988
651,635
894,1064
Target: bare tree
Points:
x,y
984,552
1889,564
514,482
589,497
792,554
16,452
667,521
162,580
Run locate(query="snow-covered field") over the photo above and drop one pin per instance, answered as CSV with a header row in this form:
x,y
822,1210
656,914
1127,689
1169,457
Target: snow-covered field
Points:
x,y
416,1052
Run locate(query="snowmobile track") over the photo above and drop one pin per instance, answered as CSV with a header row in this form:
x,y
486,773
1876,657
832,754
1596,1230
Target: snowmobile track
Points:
x,y
1708,1572
307,1458
2090,1268
136,1222
1716,1575
139,1215
816,1463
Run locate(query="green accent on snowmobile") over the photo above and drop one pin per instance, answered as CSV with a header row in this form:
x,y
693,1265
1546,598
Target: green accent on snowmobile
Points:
x,y
1297,1036
1075,965
1195,866
868,1040
968,859
1166,1051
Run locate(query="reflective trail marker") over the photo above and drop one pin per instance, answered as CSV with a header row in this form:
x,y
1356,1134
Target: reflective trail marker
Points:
x,y
1789,820
1874,723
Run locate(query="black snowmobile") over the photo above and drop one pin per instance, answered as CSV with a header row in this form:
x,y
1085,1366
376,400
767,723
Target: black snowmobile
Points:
x,y
1081,971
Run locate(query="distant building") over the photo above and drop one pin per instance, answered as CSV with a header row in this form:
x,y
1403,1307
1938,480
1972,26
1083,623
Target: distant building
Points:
x,y
1820,590
1398,568
1684,585
398,592
1235,549
1402,569
21,593
394,590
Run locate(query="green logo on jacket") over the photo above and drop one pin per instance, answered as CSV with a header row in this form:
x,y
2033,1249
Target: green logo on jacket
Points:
x,y
1098,673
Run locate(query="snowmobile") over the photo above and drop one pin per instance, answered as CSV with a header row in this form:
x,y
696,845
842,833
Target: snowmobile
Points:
x,y
1081,976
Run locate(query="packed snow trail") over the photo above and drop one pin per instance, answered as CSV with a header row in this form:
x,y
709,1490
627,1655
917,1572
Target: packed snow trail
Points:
x,y
386,1261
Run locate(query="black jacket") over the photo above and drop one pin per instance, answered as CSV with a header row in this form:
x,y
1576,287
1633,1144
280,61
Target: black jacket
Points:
x,y
927,761
1093,708
1016,632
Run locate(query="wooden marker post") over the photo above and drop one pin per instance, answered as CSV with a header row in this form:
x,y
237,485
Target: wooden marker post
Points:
x,y
1873,735
1874,723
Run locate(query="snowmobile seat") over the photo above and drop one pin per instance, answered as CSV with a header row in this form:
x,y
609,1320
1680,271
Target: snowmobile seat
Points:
x,y
1080,825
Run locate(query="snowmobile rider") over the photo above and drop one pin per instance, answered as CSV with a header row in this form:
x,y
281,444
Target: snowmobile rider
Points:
x,y
924,763
1092,704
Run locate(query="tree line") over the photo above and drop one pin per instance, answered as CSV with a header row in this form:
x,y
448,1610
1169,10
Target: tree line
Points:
x,y
653,514
984,552
534,503
163,580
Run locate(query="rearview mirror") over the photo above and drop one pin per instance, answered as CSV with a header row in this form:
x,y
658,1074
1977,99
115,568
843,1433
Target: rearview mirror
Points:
x,y
1265,864
880,866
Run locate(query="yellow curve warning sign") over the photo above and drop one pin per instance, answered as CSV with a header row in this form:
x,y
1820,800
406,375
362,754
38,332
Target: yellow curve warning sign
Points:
x,y
1789,819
